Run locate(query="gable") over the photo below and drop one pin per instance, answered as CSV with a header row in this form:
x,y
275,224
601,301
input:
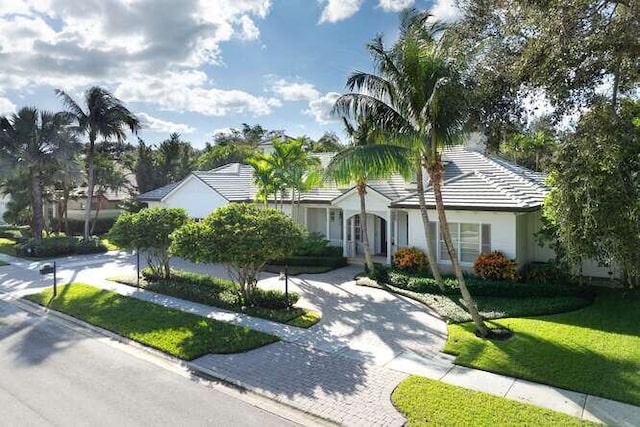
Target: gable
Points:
x,y
196,197
350,201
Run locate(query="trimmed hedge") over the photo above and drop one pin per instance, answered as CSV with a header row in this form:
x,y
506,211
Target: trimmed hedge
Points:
x,y
58,246
482,287
333,261
103,225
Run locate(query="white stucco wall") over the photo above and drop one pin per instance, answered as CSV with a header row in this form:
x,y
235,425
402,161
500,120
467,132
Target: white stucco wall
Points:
x,y
196,197
503,228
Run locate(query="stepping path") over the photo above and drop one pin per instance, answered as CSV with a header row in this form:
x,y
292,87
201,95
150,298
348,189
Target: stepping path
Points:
x,y
345,368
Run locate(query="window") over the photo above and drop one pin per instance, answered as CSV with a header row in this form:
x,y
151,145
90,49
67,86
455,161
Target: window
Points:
x,y
469,240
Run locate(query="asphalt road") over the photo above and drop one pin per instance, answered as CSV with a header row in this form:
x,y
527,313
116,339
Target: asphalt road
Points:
x,y
53,375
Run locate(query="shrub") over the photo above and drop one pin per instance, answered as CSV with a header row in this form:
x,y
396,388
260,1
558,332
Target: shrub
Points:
x,y
48,247
273,298
103,225
315,245
380,272
410,259
92,245
495,266
544,272
334,262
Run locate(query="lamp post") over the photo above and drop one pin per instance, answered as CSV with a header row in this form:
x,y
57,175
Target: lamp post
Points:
x,y
286,286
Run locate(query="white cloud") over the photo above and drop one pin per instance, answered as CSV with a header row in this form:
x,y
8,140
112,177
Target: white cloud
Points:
x,y
191,91
6,106
295,91
155,124
321,108
395,5
338,10
446,11
70,43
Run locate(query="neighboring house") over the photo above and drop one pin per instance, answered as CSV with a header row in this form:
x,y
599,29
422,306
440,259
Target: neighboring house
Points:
x,y
491,204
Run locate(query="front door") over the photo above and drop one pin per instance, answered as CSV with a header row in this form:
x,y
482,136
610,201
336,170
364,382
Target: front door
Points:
x,y
383,236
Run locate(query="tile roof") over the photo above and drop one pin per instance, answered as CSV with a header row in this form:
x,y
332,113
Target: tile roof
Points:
x,y
475,181
158,194
472,181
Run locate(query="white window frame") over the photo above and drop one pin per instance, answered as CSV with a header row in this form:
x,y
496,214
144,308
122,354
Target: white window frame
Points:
x,y
440,244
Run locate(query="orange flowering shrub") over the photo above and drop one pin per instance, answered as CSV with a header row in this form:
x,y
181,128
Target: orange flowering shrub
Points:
x,y
410,259
495,266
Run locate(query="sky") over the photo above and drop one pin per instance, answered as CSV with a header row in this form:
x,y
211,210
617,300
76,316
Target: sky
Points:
x,y
197,67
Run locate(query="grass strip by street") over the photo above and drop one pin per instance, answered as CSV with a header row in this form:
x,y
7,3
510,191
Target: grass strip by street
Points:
x,y
180,334
425,401
219,293
594,350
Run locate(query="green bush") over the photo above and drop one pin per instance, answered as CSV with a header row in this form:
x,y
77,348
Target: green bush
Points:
x,y
91,246
48,247
334,262
273,299
481,287
103,225
544,272
315,245
380,272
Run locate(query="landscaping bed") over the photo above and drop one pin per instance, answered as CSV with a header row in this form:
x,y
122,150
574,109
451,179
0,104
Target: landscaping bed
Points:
x,y
180,334
594,350
53,246
222,293
424,401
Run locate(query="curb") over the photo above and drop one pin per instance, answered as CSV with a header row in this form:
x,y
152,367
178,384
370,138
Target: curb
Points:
x,y
291,414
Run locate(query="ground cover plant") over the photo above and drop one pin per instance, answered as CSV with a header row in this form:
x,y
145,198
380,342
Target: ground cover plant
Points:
x,y
217,292
429,402
594,350
494,299
180,334
312,255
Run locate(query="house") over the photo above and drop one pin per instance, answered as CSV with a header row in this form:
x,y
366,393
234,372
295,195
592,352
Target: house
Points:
x,y
491,204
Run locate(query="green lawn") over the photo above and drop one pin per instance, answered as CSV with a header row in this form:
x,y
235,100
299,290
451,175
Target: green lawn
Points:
x,y
429,402
3,263
180,334
110,246
594,350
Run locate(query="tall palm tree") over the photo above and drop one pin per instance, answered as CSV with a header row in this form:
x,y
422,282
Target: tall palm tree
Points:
x,y
416,96
364,159
104,116
30,142
263,177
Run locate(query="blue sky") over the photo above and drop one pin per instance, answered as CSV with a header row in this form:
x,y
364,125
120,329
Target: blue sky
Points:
x,y
196,66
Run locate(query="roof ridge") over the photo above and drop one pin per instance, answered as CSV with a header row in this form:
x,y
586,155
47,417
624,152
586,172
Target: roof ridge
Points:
x,y
519,172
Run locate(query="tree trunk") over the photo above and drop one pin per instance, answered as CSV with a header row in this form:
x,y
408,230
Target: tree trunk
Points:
x,y
436,170
36,205
431,256
362,191
90,173
66,211
95,218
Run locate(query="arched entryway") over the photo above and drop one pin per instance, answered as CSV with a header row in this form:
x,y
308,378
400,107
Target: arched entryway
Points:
x,y
378,232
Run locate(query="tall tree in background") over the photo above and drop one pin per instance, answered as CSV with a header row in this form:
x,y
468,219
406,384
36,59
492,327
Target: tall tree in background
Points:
x,y
594,204
327,143
31,141
565,50
102,115
176,159
417,96
363,160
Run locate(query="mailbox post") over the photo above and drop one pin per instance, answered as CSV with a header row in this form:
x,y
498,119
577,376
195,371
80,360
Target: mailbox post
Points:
x,y
48,269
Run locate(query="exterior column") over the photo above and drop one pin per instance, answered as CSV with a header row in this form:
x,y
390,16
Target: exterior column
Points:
x,y
306,217
389,237
353,235
328,235
395,231
344,234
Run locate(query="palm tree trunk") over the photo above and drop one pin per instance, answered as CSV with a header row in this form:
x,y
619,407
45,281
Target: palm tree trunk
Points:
x,y
66,211
95,218
90,180
431,256
436,171
362,191
36,204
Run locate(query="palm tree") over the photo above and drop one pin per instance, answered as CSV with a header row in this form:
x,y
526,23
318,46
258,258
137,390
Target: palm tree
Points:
x,y
30,142
364,159
104,115
416,96
263,177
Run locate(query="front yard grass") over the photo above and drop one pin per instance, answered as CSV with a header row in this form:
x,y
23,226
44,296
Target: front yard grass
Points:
x,y
594,350
429,402
3,263
180,334
220,293
6,246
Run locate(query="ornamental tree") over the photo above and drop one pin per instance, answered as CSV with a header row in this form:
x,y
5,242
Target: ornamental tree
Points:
x,y
243,237
149,230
